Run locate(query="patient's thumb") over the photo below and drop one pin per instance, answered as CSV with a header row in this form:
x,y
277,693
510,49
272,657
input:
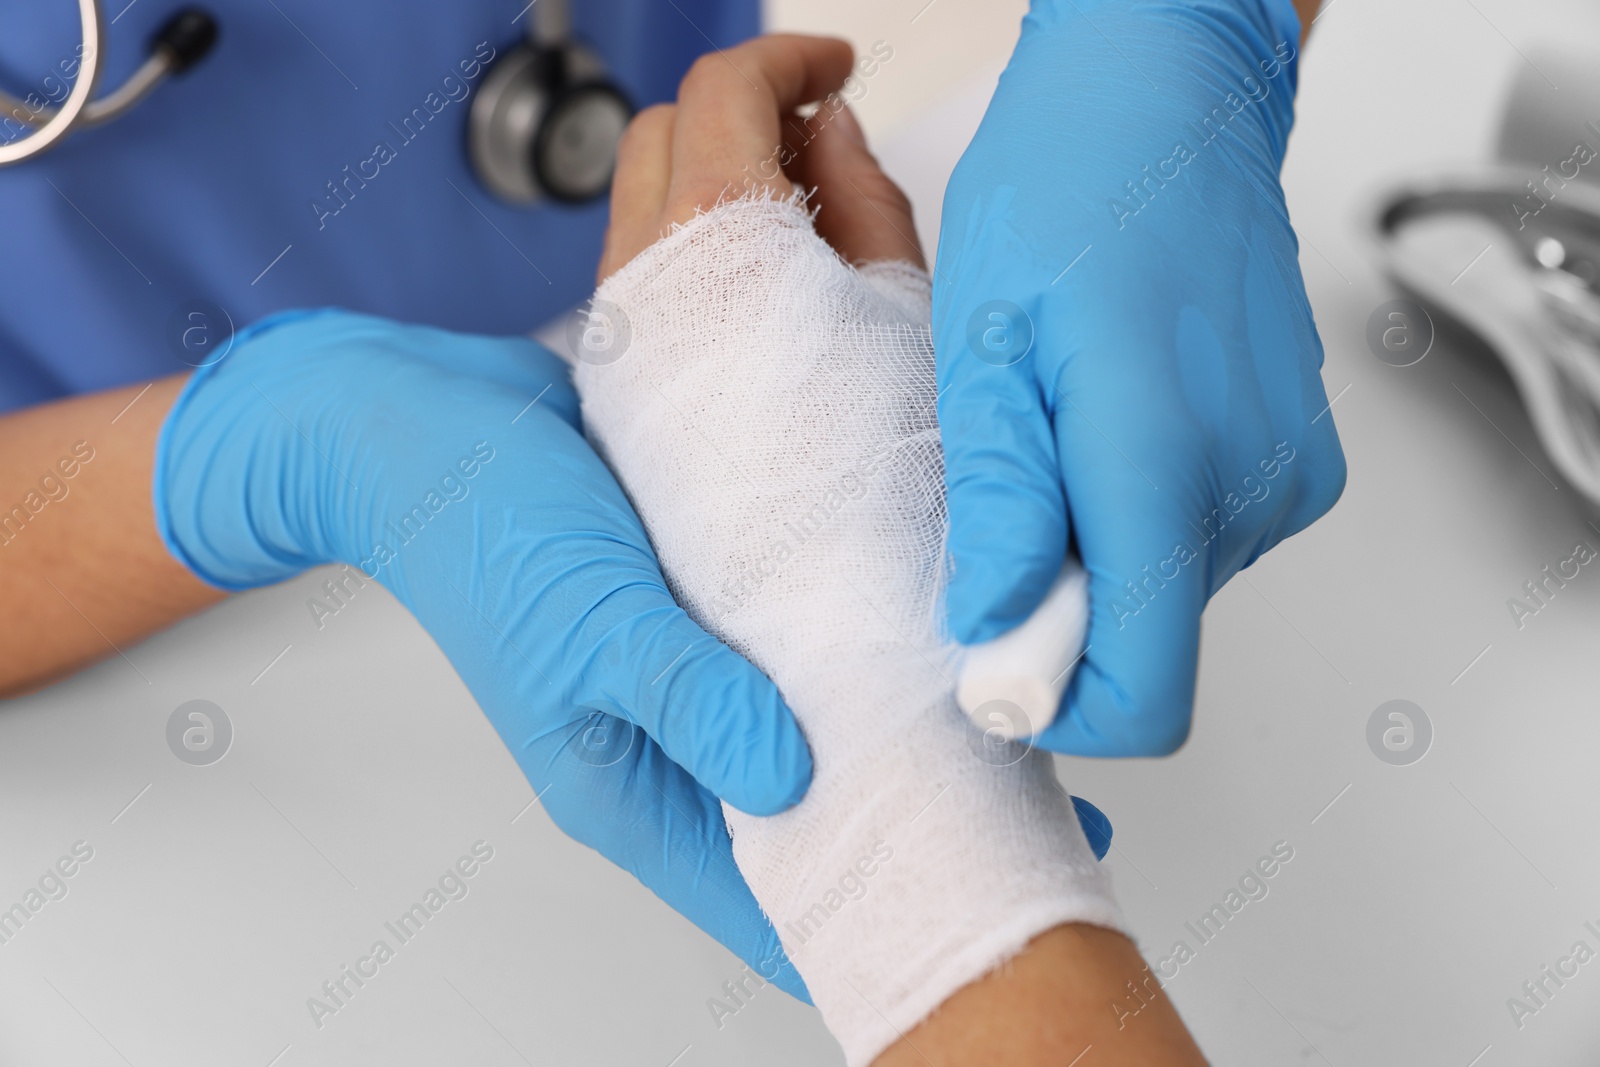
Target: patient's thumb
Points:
x,y
862,213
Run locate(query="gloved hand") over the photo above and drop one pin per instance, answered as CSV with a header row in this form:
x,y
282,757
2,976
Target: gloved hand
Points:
x,y
1126,351
450,468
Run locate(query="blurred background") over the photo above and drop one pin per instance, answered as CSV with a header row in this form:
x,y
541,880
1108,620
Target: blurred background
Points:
x,y
1432,874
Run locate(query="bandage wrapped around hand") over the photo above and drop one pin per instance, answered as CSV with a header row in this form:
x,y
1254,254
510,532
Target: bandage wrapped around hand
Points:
x,y
772,415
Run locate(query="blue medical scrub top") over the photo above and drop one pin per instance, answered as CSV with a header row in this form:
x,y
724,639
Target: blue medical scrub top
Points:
x,y
282,171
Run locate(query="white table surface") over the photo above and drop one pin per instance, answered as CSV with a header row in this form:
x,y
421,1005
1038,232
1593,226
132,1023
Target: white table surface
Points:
x,y
221,898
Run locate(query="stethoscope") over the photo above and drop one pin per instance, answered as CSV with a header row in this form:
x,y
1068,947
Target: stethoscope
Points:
x,y
547,119
1543,319
544,124
180,43
1533,295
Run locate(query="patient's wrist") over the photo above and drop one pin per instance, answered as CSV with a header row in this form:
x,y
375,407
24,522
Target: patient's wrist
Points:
x,y
774,424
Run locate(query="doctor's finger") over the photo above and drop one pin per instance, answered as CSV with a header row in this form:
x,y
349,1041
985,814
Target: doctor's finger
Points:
x,y
648,816
728,137
1008,511
1133,692
711,711
639,186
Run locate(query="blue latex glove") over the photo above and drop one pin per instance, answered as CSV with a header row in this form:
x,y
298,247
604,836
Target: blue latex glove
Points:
x,y
312,442
1125,348
315,439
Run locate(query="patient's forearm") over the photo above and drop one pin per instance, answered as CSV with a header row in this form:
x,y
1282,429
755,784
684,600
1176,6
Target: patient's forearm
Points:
x,y
81,562
1068,992
1307,10
806,531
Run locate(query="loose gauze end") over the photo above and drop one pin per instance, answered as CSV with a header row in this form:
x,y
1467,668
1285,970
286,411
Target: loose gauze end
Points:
x,y
772,418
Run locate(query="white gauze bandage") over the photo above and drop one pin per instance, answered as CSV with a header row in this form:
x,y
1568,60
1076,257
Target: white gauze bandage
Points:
x,y
771,414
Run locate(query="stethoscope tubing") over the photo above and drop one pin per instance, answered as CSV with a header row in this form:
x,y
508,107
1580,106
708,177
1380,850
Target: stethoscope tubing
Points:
x,y
68,116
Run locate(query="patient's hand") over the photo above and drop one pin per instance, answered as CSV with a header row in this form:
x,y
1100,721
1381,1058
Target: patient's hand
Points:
x,y
728,416
735,130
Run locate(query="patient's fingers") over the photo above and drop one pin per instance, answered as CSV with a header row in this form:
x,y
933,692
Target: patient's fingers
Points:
x,y
862,213
734,130
639,187
727,131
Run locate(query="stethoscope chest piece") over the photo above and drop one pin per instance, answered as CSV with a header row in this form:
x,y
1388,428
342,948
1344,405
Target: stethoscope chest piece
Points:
x,y
545,124
1535,301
